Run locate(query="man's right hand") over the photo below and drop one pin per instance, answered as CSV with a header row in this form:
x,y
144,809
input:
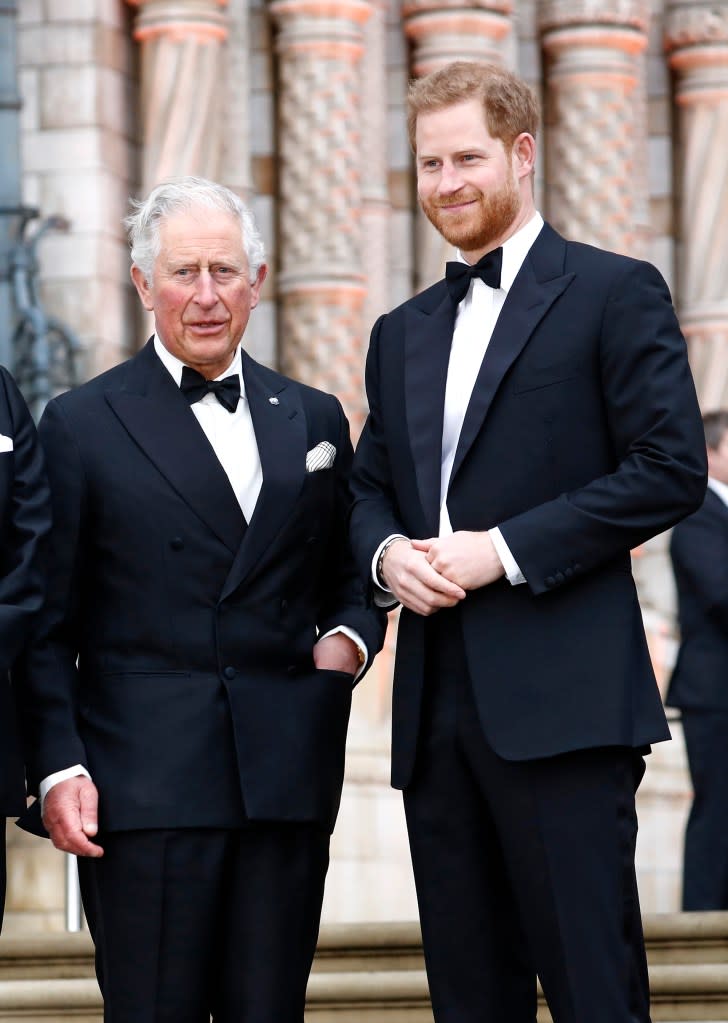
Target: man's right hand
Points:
x,y
70,816
415,583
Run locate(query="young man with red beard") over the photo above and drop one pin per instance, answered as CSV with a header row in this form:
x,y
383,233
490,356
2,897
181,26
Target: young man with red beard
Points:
x,y
533,418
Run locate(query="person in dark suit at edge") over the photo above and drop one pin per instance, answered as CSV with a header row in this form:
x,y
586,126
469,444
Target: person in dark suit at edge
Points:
x,y
26,519
699,682
188,701
532,419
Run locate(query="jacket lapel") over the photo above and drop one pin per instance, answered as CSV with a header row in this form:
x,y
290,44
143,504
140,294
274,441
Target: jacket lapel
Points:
x,y
280,432
428,339
158,418
539,283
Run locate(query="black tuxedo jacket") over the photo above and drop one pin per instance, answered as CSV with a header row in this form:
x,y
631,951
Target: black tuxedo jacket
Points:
x,y
581,440
26,519
195,679
699,550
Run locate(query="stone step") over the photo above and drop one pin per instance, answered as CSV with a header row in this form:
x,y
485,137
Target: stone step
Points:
x,y
694,992
368,972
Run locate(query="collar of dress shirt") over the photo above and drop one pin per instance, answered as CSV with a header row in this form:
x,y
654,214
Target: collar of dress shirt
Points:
x,y
515,250
721,489
175,366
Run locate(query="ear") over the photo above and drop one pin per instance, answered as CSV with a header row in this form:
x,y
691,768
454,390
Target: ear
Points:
x,y
143,290
257,285
524,154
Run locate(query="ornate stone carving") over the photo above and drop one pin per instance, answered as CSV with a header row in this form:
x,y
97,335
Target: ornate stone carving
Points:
x,y
595,119
441,31
560,13
321,283
182,44
697,42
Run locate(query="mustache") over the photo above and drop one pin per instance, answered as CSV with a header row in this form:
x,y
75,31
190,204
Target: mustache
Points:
x,y
457,201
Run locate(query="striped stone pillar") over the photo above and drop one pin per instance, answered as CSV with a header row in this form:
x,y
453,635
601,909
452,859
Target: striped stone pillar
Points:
x,y
321,283
696,39
595,120
439,32
182,53
376,259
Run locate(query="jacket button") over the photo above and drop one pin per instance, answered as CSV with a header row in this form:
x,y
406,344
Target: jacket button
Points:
x,y
229,673
568,572
284,604
176,543
550,581
577,566
560,578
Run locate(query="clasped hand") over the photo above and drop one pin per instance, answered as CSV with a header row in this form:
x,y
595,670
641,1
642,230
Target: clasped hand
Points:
x,y
426,575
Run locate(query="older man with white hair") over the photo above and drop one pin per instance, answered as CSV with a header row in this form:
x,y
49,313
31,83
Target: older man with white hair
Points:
x,y
188,700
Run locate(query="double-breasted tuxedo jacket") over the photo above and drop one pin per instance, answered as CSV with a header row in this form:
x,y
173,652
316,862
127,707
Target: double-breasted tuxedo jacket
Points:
x,y
699,549
195,694
25,516
582,439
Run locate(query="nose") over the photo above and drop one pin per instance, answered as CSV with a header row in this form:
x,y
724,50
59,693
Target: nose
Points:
x,y
205,292
451,179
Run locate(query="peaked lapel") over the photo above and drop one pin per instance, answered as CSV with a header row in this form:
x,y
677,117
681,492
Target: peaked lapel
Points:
x,y
428,339
156,415
280,432
538,284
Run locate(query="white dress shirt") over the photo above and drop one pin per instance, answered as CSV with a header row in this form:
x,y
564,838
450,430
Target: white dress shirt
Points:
x,y
232,438
475,321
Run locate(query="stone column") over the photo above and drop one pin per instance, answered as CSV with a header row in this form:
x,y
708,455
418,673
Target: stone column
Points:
x,y
697,41
321,282
375,197
182,52
441,31
595,122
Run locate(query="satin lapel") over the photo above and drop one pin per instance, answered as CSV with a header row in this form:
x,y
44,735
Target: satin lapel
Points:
x,y
158,418
428,340
527,303
280,432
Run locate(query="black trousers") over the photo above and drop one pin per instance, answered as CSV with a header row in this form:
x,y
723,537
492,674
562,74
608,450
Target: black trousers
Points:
x,y
705,867
193,923
521,868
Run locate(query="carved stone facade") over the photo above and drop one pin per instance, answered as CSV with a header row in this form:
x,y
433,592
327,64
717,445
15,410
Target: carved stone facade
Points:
x,y
299,106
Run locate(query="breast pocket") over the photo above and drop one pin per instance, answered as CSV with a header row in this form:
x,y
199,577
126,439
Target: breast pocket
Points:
x,y
537,378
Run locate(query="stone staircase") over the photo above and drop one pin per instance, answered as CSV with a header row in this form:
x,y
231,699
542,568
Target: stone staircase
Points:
x,y
372,972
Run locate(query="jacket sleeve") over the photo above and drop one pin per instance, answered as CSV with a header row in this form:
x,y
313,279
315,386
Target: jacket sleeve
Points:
x,y
26,522
47,673
345,601
656,434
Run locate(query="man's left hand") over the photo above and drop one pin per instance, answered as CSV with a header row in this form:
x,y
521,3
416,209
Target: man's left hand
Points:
x,y
337,653
466,558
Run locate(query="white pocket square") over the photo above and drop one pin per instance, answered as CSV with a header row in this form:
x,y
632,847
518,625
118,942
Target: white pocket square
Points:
x,y
320,457
6,443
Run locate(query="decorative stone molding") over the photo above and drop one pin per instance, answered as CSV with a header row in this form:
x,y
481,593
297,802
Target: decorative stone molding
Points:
x,y
441,31
321,281
596,119
696,40
182,48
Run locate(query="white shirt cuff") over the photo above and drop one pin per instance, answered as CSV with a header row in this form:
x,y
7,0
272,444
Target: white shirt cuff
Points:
x,y
355,638
513,573
77,771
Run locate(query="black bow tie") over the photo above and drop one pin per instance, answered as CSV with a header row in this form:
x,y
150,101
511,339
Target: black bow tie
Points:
x,y
459,275
194,387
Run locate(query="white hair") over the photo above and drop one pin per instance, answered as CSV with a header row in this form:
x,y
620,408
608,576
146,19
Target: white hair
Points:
x,y
180,195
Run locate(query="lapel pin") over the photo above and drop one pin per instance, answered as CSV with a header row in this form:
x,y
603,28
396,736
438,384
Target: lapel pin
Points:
x,y
274,401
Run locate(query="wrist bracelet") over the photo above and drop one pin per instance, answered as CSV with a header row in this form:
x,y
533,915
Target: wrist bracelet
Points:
x,y
380,559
